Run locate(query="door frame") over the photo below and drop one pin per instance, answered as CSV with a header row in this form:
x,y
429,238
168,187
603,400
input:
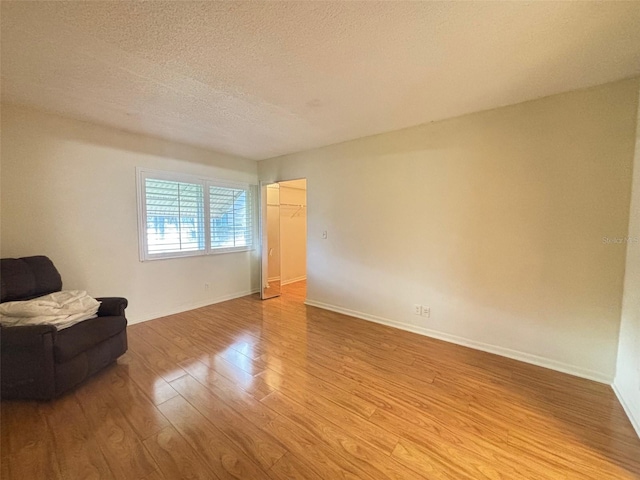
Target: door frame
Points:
x,y
263,231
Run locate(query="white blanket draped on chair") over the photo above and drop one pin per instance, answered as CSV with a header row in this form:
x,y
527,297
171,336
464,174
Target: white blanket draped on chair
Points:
x,y
61,309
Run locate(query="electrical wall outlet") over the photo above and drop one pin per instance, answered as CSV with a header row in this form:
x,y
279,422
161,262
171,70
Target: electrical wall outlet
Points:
x,y
324,234
425,311
206,286
417,309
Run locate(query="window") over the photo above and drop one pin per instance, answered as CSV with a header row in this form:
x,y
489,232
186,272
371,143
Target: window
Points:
x,y
181,215
230,224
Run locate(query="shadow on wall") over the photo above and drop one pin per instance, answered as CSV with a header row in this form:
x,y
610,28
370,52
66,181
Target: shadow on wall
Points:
x,y
93,134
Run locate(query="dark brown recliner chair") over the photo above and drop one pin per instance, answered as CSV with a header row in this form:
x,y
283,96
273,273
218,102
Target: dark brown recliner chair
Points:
x,y
40,362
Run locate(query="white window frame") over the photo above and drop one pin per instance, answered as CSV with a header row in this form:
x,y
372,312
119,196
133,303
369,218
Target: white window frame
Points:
x,y
143,173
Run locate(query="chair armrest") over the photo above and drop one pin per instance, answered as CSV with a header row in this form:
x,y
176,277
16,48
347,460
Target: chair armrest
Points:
x,y
27,361
112,306
22,336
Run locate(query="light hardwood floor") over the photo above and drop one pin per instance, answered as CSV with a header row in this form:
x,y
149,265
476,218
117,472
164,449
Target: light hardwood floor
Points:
x,y
253,390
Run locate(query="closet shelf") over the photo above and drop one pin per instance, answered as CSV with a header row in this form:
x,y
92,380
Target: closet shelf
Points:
x,y
300,207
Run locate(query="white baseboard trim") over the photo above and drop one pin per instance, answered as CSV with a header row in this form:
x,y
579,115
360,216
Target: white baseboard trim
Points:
x,y
505,352
294,280
191,306
634,421
273,279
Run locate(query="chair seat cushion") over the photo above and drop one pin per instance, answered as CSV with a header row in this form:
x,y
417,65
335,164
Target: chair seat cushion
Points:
x,y
76,339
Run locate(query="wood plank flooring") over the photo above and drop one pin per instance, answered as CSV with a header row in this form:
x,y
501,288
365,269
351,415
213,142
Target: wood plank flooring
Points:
x,y
248,389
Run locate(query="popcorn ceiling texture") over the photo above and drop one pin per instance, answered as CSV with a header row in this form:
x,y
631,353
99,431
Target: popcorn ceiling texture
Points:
x,y
262,79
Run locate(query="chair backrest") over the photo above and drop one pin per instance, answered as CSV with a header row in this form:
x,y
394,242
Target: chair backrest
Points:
x,y
28,277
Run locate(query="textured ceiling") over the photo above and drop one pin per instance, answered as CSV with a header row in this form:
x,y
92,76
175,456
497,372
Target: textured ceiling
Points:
x,y
260,79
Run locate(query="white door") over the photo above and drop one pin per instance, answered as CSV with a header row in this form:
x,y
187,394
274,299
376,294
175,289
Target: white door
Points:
x,y
270,229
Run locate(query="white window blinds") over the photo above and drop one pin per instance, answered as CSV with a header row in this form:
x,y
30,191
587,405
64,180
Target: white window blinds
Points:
x,y
175,210
231,222
175,216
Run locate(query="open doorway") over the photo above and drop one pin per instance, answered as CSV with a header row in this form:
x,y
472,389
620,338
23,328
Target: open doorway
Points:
x,y
284,236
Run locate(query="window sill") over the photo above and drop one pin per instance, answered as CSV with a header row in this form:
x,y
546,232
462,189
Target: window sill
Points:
x,y
215,251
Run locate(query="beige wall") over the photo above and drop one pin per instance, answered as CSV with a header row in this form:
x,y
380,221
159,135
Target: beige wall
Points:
x,y
293,231
627,383
69,192
495,220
